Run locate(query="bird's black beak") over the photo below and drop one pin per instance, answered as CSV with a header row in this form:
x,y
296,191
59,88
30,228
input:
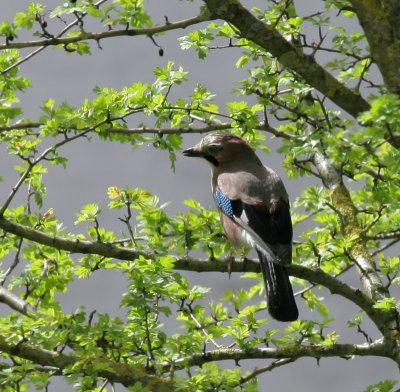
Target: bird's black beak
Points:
x,y
197,152
192,152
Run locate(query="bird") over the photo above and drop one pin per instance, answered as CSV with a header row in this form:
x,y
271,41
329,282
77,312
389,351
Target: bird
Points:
x,y
254,211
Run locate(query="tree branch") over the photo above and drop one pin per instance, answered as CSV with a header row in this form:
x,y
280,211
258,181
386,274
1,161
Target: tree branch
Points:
x,y
290,56
38,50
116,372
334,285
166,131
42,156
275,364
347,213
15,302
20,126
70,245
262,126
358,250
85,36
380,22
189,264
377,348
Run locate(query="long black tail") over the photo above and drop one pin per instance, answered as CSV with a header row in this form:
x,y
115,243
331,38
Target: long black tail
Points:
x,y
280,299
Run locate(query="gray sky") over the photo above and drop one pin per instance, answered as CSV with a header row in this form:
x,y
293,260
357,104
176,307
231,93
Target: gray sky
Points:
x,y
95,165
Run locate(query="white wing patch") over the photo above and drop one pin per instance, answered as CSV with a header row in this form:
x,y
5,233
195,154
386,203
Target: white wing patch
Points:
x,y
251,238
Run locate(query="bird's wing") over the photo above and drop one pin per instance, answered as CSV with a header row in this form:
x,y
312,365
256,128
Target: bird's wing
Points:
x,y
261,230
273,226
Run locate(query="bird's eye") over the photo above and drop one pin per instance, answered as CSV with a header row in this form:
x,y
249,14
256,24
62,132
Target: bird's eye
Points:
x,y
214,149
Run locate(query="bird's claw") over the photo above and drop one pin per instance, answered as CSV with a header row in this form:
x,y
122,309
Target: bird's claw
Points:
x,y
230,260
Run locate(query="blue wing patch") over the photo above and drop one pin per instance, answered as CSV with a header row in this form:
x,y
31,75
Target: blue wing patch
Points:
x,y
223,202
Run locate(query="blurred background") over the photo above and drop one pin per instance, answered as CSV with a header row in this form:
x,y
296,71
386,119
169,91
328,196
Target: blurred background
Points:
x,y
95,165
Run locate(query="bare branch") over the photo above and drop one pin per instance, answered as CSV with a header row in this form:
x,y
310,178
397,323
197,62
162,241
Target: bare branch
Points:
x,y
190,264
384,41
15,302
20,126
63,31
385,235
71,245
289,55
116,372
15,189
378,348
264,369
166,131
86,36
386,246
262,126
43,156
347,213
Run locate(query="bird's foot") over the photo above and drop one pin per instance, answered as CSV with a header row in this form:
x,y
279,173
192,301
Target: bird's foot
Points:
x,y
230,259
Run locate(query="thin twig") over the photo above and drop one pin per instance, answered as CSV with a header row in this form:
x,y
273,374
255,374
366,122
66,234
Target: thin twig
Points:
x,y
275,364
38,50
10,269
197,322
386,246
104,385
85,36
43,156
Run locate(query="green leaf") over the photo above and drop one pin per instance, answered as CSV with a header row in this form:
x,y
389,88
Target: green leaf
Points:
x,y
387,304
382,386
88,213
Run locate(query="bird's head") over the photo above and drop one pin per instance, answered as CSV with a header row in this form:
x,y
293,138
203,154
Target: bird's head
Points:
x,y
219,148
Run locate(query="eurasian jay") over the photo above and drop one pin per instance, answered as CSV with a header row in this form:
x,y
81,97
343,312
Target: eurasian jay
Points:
x,y
254,210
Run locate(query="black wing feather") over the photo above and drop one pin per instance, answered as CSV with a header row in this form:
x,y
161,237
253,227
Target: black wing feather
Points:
x,y
275,230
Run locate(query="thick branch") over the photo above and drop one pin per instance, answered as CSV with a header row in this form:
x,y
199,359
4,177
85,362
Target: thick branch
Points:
x,y
343,205
20,126
166,131
116,372
297,351
112,251
262,126
334,285
291,57
14,301
70,245
358,250
85,36
380,21
212,127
